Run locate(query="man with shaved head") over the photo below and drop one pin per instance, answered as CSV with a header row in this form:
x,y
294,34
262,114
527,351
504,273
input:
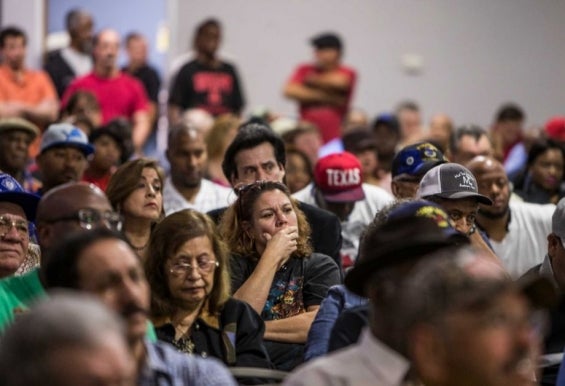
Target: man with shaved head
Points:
x,y
119,94
68,208
186,187
517,231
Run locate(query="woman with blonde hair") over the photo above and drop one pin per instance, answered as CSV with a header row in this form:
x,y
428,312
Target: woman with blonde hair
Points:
x,y
273,267
135,191
191,303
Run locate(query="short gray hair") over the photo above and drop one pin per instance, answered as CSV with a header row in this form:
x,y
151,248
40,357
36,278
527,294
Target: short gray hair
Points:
x,y
448,281
65,320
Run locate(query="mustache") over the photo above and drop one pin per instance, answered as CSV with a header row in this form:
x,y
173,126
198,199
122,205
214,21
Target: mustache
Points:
x,y
132,309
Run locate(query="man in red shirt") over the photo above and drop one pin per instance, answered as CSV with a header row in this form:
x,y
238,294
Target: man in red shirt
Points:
x,y
323,89
119,94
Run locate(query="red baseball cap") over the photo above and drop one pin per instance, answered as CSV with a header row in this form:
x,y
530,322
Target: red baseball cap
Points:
x,y
555,128
338,177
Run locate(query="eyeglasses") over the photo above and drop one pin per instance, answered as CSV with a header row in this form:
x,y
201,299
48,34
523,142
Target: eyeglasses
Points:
x,y
21,226
89,218
536,320
203,265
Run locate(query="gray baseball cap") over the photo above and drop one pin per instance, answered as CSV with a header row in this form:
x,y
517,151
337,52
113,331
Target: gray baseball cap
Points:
x,y
451,181
558,220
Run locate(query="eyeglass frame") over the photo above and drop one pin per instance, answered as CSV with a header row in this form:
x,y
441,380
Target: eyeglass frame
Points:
x,y
12,224
187,267
88,225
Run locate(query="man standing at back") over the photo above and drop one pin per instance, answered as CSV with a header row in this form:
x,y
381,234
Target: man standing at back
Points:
x,y
206,82
257,153
118,94
139,67
64,65
323,89
24,93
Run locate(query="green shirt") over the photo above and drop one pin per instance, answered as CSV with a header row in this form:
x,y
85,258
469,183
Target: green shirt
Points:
x,y
16,295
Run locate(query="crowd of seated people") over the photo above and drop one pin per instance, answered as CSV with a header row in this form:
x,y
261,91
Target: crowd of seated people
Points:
x,y
331,249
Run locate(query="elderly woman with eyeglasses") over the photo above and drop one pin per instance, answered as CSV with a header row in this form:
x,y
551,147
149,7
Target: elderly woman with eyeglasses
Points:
x,y
135,191
273,267
191,305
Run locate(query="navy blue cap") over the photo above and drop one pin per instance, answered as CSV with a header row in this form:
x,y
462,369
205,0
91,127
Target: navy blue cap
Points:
x,y
415,160
431,210
12,191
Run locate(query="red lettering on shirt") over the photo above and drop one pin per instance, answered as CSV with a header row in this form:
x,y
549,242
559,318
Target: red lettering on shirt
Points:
x,y
214,84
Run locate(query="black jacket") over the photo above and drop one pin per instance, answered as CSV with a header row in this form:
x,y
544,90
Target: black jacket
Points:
x,y
235,337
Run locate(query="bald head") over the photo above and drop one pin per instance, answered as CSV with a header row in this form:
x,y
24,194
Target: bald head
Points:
x,y
184,130
481,164
199,119
493,183
58,210
187,156
106,49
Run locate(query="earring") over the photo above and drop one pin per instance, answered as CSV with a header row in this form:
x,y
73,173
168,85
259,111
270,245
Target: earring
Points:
x,y
248,242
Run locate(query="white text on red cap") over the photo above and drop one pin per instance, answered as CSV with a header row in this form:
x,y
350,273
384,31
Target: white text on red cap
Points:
x,y
349,177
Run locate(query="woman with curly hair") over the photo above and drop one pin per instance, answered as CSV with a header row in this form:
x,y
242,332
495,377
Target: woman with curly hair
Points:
x,y
273,267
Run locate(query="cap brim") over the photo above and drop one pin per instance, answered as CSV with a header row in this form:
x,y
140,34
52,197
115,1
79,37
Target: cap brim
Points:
x,y
458,195
27,201
427,166
356,194
86,149
21,125
357,278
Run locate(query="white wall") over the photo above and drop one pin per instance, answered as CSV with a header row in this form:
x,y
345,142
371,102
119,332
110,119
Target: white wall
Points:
x,y
476,54
28,15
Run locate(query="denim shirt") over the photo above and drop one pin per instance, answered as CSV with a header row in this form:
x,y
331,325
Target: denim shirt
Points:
x,y
167,367
338,299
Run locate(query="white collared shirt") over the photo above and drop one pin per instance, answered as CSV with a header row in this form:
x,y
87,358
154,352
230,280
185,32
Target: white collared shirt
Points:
x,y
367,363
210,196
